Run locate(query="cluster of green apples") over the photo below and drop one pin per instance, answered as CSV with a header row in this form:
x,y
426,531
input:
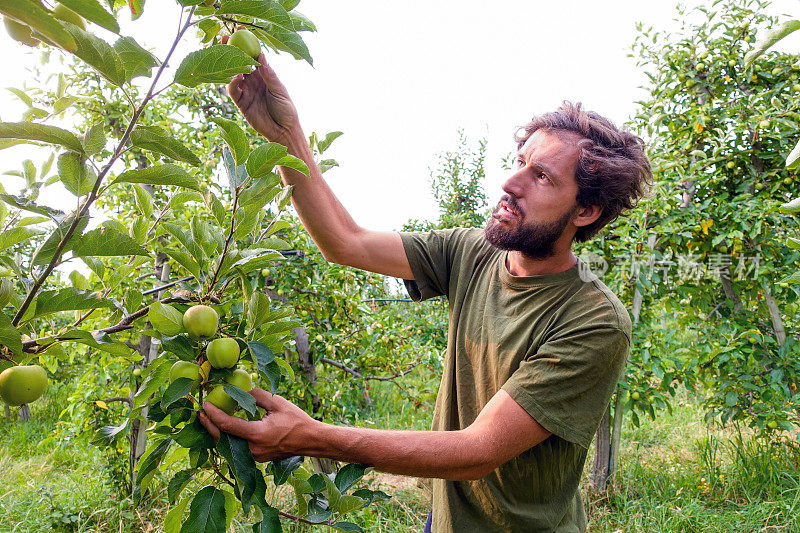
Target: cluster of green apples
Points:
x,y
220,359
24,34
22,384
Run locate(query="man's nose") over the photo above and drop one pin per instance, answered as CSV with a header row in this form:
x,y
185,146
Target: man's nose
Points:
x,y
513,184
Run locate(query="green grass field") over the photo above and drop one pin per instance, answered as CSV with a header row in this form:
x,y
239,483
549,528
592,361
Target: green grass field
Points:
x,y
676,475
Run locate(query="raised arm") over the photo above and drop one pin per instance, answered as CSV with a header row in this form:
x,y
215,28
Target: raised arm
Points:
x,y
265,103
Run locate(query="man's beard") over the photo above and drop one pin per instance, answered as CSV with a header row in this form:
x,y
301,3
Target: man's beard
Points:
x,y
533,240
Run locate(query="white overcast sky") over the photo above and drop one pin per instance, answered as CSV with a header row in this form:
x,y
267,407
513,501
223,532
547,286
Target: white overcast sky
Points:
x,y
400,78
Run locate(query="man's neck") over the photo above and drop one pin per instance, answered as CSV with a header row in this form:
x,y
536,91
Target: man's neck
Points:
x,y
523,266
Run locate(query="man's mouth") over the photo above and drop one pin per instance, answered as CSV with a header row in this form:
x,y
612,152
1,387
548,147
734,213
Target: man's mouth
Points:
x,y
505,211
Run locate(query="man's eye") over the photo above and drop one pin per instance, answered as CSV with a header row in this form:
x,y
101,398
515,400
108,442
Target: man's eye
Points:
x,y
543,176
520,162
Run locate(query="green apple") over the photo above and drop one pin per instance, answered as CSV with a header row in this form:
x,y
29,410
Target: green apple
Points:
x,y
137,372
319,338
64,13
223,353
22,384
20,32
764,124
247,42
200,321
772,424
265,272
241,379
185,369
730,164
219,398
635,395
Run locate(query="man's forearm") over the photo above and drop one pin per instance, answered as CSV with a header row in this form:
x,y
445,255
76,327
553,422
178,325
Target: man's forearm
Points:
x,y
454,455
322,214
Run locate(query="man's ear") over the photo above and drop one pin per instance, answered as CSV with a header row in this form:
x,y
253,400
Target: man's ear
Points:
x,y
586,215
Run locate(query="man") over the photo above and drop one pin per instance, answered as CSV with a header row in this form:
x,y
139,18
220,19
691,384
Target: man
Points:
x,y
535,344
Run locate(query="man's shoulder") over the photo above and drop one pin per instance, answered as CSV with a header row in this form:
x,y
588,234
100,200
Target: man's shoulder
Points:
x,y
598,304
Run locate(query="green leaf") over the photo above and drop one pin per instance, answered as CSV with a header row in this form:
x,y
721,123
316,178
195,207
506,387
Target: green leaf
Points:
x,y
258,310
213,203
772,37
92,11
28,131
207,512
17,235
9,336
172,522
144,201
102,342
215,64
793,278
44,253
295,163
20,202
792,206
32,13
69,299
98,54
793,157
283,468
236,174
264,158
180,345
349,474
371,495
348,526
287,40
194,435
158,373
75,174
136,61
261,353
175,391
793,243
106,242
256,259
159,140
95,139
245,401
236,452
165,319
301,22
268,10
270,521
178,483
186,261
151,461
136,7
6,291
235,138
160,175
185,239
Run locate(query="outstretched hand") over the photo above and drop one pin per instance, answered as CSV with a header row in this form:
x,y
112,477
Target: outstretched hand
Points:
x,y
265,103
283,430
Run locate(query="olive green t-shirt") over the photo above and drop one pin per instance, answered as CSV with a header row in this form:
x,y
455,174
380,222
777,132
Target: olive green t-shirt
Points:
x,y
556,343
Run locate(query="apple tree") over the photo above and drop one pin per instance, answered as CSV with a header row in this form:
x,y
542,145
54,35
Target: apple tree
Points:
x,y
216,247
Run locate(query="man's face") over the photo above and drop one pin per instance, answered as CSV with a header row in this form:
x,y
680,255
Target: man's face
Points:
x,y
539,203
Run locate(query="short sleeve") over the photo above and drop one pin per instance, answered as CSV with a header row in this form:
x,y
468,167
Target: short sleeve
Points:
x,y
567,384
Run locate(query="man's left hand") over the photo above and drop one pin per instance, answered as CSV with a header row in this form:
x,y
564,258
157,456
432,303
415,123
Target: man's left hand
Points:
x,y
281,433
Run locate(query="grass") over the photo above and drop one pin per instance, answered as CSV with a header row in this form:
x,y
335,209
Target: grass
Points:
x,y
676,474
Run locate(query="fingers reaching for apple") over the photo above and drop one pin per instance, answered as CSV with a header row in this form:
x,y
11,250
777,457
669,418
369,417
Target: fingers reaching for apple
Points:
x,y
282,431
265,103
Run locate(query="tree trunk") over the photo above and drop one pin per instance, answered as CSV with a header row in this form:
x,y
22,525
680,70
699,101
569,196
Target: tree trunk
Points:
x,y
607,442
727,286
24,412
775,315
306,363
602,447
148,349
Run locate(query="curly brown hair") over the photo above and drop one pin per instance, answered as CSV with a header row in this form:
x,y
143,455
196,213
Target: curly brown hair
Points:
x,y
612,171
